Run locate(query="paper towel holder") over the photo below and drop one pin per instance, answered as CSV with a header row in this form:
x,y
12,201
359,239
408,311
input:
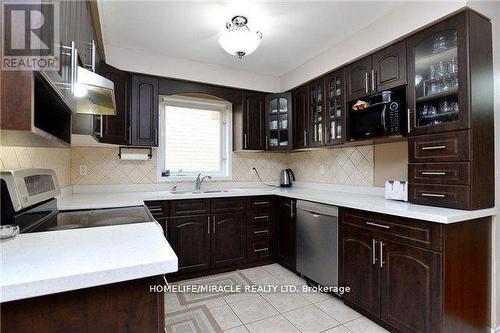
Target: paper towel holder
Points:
x,y
150,154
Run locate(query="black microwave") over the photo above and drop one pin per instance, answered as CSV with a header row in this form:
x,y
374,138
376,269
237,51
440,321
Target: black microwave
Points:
x,y
383,118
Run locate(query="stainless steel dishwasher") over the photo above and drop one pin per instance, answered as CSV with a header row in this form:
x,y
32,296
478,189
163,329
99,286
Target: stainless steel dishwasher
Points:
x,y
317,242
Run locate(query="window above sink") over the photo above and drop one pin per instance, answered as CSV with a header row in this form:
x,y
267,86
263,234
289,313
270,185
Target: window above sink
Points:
x,y
195,137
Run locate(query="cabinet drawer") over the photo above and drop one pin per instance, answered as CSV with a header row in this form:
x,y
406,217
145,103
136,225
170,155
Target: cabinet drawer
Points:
x,y
259,203
443,147
260,249
439,173
259,230
189,207
414,232
158,209
259,217
227,205
449,196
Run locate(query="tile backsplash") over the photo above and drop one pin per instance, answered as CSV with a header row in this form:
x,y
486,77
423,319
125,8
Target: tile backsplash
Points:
x,y
57,159
353,166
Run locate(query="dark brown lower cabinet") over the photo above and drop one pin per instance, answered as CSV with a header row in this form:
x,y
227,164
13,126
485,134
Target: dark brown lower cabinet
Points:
x,y
410,287
115,308
286,233
228,240
416,276
190,239
359,271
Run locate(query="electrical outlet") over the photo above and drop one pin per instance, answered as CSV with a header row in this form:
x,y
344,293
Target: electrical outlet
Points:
x,y
321,169
83,170
252,170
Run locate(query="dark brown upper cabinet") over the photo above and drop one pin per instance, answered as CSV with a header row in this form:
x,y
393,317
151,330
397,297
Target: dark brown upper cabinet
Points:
x,y
389,67
144,106
385,69
358,78
335,118
115,129
439,80
253,108
316,114
279,121
300,111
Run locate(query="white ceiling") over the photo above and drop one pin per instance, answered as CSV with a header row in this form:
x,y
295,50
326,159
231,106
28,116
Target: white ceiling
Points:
x,y
294,31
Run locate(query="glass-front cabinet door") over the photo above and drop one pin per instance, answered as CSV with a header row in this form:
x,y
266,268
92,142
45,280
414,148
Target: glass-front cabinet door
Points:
x,y
316,113
437,89
335,108
279,121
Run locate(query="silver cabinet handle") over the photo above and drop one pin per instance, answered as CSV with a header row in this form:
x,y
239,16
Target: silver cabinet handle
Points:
x,y
267,143
434,147
263,217
261,232
374,250
432,173
326,131
291,209
261,250
433,195
261,203
155,209
245,141
373,80
305,138
381,255
378,225
409,121
208,224
366,82
101,125
213,227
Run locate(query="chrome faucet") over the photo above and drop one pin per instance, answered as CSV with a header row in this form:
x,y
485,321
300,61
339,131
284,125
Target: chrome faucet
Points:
x,y
199,181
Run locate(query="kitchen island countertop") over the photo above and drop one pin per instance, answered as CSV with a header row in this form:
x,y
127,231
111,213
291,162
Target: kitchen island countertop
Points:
x,y
42,263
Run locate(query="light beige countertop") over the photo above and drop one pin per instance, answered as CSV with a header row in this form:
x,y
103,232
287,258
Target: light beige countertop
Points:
x,y
364,198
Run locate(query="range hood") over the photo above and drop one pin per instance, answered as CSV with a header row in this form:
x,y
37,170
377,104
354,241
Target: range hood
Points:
x,y
94,94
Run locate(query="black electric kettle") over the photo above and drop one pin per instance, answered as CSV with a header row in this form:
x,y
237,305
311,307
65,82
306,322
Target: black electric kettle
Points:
x,y
286,178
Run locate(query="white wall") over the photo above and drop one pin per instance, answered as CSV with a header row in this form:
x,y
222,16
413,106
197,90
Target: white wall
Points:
x,y
141,62
402,21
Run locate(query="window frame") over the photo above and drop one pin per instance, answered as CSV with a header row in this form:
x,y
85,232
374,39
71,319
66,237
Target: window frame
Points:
x,y
226,141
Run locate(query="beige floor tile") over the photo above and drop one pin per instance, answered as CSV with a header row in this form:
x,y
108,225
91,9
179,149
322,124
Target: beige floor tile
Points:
x,y
257,274
336,308
276,269
277,324
338,329
315,297
364,325
172,303
225,317
310,319
284,302
239,329
210,303
239,297
253,309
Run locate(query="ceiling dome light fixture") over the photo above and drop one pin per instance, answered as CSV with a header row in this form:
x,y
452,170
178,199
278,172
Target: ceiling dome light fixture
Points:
x,y
238,40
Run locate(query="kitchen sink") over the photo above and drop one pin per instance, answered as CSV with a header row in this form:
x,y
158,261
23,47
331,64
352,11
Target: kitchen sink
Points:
x,y
198,192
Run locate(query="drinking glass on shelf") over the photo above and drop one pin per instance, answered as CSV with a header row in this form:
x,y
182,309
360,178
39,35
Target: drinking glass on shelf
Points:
x,y
425,111
445,85
441,69
435,88
432,74
453,66
440,44
273,124
454,83
445,107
